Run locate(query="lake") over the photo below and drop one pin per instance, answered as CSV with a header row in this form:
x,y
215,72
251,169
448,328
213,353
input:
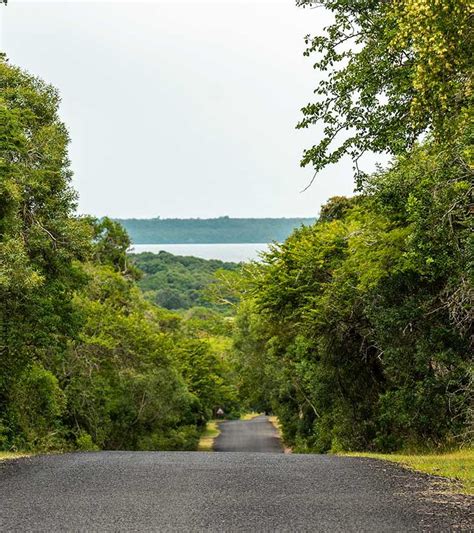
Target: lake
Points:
x,y
235,252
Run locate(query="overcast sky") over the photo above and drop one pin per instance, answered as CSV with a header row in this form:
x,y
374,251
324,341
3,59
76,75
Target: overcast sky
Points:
x,y
180,109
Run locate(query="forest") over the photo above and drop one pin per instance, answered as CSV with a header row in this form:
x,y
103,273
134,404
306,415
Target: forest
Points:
x,y
86,361
180,282
210,230
358,331
355,330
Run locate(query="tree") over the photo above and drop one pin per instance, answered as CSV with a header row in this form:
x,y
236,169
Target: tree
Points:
x,y
120,376
111,243
362,324
40,238
85,360
394,72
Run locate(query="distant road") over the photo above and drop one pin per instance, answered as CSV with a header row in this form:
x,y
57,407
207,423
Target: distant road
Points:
x,y
256,435
221,492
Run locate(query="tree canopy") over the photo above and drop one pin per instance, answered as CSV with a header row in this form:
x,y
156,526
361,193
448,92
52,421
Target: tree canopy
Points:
x,y
180,282
393,72
86,362
358,331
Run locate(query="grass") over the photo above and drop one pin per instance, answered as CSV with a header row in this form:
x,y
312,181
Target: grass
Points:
x,y
274,420
4,456
276,424
206,442
457,465
249,416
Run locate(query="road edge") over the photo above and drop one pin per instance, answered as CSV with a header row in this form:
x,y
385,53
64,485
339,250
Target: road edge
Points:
x,y
276,424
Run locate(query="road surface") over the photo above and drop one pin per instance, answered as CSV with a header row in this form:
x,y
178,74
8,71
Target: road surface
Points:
x,y
255,435
219,492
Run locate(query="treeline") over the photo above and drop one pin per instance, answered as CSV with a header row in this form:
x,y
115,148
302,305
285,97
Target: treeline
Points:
x,y
358,331
180,282
211,230
85,361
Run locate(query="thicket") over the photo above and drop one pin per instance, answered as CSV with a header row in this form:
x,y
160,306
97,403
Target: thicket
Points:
x,y
360,327
85,361
358,331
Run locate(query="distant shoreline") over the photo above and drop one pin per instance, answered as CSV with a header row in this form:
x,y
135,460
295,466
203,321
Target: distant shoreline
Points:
x,y
222,230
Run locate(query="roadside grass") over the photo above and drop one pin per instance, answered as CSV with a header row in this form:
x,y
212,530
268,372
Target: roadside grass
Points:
x,y
206,442
249,416
274,420
276,424
5,456
457,465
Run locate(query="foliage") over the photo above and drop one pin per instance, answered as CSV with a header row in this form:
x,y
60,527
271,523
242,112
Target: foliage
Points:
x,y
179,282
38,404
254,364
209,377
360,327
40,241
122,384
206,361
210,230
111,243
86,361
393,72
356,331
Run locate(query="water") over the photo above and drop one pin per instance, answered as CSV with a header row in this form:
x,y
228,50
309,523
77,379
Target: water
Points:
x,y
235,252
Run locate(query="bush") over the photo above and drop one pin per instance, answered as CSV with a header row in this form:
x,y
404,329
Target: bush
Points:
x,y
37,406
85,443
186,438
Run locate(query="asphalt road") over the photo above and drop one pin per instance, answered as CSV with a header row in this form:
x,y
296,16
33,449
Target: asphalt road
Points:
x,y
255,435
243,491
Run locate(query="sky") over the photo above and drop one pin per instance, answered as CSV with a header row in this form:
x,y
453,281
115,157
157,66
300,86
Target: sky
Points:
x,y
180,109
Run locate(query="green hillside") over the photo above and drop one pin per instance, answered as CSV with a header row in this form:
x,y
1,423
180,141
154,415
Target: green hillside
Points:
x,y
178,282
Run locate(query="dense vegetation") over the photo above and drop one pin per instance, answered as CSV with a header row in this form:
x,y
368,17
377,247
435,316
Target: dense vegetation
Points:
x,y
85,360
359,325
358,331
211,230
179,282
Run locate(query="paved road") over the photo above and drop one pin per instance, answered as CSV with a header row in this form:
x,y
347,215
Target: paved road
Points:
x,y
255,435
173,491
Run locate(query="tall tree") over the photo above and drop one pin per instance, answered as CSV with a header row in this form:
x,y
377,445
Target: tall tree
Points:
x,y
393,72
40,237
